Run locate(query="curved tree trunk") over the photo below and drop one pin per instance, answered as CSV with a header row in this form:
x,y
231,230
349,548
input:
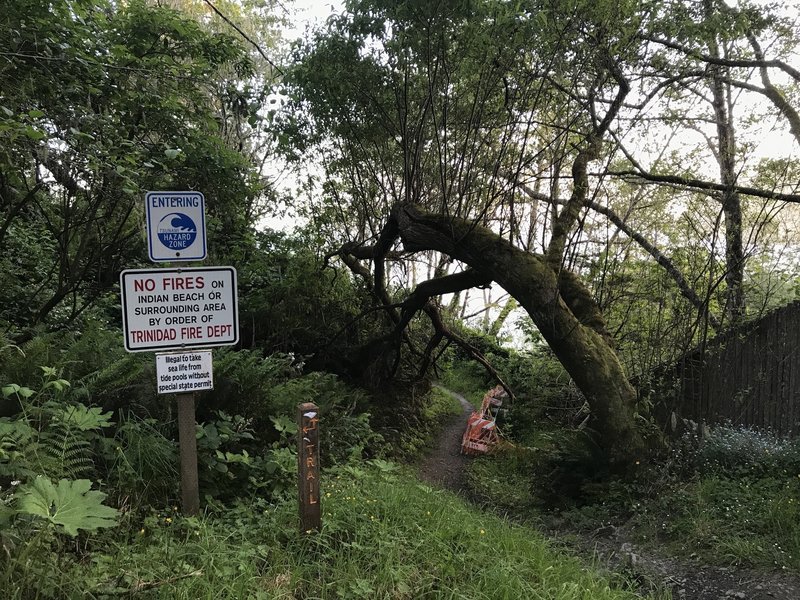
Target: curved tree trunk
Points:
x,y
559,306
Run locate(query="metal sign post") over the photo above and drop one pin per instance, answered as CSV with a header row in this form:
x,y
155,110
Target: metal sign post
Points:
x,y
308,467
190,486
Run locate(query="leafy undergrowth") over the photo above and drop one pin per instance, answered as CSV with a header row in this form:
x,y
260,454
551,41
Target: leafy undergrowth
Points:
x,y
421,428
745,522
711,505
384,535
464,380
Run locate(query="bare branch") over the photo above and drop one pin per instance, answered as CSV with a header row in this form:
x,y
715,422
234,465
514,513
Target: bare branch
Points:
x,y
245,36
709,186
726,62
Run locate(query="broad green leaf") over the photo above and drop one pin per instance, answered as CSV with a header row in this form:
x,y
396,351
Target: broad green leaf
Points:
x,y
34,134
71,505
85,418
13,388
171,152
58,384
15,432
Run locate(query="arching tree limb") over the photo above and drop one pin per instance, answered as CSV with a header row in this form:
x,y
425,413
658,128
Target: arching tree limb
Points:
x,y
585,353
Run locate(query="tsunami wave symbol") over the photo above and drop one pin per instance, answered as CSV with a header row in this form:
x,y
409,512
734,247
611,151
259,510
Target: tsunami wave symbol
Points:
x,y
176,231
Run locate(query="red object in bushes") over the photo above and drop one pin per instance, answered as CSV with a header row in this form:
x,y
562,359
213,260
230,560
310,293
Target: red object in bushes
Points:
x,y
481,434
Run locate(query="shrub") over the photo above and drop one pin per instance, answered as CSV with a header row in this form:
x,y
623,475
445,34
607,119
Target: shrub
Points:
x,y
345,432
143,464
743,451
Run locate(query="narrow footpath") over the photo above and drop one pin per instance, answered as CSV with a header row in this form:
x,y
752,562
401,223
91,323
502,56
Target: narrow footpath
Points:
x,y
611,547
445,465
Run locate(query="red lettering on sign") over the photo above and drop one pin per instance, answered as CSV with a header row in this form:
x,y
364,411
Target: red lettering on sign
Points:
x,y
214,331
153,335
143,285
190,333
183,283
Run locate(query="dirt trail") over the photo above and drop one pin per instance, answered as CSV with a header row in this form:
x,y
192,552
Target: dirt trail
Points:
x,y
444,466
612,548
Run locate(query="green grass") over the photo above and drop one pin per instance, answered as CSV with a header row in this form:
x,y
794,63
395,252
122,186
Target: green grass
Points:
x,y
747,522
440,405
464,380
385,535
716,519
437,407
504,478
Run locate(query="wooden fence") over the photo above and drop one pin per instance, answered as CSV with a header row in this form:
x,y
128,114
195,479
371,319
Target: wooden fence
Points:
x,y
747,376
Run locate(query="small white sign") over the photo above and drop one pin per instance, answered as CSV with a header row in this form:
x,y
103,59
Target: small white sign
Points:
x,y
184,372
176,226
177,309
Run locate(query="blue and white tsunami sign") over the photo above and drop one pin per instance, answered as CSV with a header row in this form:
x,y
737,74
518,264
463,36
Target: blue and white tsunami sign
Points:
x,y
177,231
176,226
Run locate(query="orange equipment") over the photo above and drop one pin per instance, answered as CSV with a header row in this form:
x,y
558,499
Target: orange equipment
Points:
x,y
481,433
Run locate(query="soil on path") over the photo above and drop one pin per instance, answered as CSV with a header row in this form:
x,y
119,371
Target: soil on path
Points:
x,y
445,465
612,547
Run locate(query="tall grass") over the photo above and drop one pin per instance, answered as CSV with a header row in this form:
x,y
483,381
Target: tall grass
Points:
x,y
385,535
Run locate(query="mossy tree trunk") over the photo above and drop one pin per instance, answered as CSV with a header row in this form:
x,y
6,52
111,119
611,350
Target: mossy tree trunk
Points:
x,y
560,306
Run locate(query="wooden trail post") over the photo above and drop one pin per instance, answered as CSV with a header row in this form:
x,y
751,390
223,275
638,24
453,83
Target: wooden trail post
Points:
x,y
190,488
308,466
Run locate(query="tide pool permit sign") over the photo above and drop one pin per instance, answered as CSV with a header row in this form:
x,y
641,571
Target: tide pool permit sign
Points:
x,y
177,309
184,372
176,226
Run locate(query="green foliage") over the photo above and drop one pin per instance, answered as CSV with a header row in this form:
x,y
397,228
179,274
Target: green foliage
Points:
x,y
411,428
384,535
142,462
93,361
742,522
504,477
743,451
111,99
244,380
69,505
345,432
468,379
50,436
733,499
226,468
292,304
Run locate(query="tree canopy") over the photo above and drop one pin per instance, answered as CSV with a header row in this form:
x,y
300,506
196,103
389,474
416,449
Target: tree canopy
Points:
x,y
495,138
604,163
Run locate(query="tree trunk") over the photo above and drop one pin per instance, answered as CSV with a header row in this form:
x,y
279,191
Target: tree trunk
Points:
x,y
573,329
731,202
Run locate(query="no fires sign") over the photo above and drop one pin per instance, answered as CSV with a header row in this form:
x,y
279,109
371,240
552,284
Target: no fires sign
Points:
x,y
179,308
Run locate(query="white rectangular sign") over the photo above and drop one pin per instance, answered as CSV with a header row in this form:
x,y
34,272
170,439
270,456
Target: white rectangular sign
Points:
x,y
184,372
176,226
174,309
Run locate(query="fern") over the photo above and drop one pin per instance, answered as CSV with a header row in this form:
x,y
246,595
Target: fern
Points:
x,y
17,440
66,445
118,374
65,454
59,451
